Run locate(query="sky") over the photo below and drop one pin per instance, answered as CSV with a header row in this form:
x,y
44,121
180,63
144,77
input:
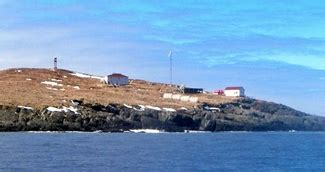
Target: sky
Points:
x,y
275,49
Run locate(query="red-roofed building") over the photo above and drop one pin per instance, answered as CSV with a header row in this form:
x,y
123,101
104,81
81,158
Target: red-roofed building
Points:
x,y
117,79
234,91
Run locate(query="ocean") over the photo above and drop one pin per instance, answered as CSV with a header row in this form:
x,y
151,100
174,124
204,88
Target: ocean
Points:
x,y
225,151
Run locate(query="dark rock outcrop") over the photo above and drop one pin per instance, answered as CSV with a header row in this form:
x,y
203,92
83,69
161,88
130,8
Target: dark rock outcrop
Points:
x,y
243,115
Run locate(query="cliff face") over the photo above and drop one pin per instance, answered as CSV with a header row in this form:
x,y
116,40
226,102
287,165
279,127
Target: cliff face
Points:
x,y
242,115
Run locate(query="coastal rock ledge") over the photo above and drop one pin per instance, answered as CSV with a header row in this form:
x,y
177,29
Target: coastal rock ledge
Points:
x,y
242,115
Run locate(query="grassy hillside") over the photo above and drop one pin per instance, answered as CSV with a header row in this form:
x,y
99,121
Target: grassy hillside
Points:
x,y
39,88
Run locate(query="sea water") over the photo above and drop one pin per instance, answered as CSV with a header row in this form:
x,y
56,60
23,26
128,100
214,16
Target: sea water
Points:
x,y
226,151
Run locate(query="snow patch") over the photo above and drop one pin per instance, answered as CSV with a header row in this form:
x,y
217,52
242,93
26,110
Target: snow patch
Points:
x,y
128,106
142,108
51,83
183,108
28,79
53,109
56,80
67,109
97,77
81,75
169,109
212,108
50,88
25,107
75,87
64,109
153,108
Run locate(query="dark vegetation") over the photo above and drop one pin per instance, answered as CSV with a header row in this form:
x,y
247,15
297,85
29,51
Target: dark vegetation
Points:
x,y
242,115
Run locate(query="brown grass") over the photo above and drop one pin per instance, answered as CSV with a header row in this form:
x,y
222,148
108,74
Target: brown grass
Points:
x,y
16,90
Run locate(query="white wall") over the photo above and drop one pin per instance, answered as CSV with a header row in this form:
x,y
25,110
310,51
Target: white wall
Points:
x,y
180,97
235,93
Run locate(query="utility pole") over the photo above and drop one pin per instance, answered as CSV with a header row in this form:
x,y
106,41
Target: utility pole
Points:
x,y
170,55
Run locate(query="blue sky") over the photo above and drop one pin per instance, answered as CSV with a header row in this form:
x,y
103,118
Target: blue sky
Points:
x,y
275,49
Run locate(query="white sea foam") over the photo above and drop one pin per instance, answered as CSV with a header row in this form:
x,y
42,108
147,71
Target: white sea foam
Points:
x,y
45,132
68,132
196,131
150,131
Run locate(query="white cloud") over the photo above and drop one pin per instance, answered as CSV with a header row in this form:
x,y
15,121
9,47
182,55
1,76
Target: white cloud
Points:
x,y
310,61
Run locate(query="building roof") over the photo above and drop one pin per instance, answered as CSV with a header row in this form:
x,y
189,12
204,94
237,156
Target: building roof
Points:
x,y
233,88
116,75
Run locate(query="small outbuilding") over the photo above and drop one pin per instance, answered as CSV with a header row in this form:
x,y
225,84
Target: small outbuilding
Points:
x,y
234,92
192,90
219,92
117,79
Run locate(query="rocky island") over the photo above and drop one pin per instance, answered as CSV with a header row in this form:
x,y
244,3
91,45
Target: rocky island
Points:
x,y
61,100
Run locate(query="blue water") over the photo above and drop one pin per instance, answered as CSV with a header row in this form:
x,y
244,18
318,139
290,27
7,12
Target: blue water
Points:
x,y
300,151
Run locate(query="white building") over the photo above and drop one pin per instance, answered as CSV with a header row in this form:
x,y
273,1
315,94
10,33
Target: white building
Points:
x,y
234,92
116,79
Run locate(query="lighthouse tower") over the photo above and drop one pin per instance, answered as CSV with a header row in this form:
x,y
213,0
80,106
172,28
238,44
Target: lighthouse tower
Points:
x,y
55,63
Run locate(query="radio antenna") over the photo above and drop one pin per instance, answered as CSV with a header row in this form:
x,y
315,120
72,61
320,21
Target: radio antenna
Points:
x,y
170,55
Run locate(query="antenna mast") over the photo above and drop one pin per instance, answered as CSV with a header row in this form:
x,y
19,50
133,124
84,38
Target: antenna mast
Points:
x,y
170,55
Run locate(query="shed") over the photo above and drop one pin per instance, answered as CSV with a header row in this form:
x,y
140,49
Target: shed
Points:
x,y
193,90
234,92
117,79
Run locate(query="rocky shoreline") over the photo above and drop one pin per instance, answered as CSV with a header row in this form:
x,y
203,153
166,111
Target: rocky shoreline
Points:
x,y
242,115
